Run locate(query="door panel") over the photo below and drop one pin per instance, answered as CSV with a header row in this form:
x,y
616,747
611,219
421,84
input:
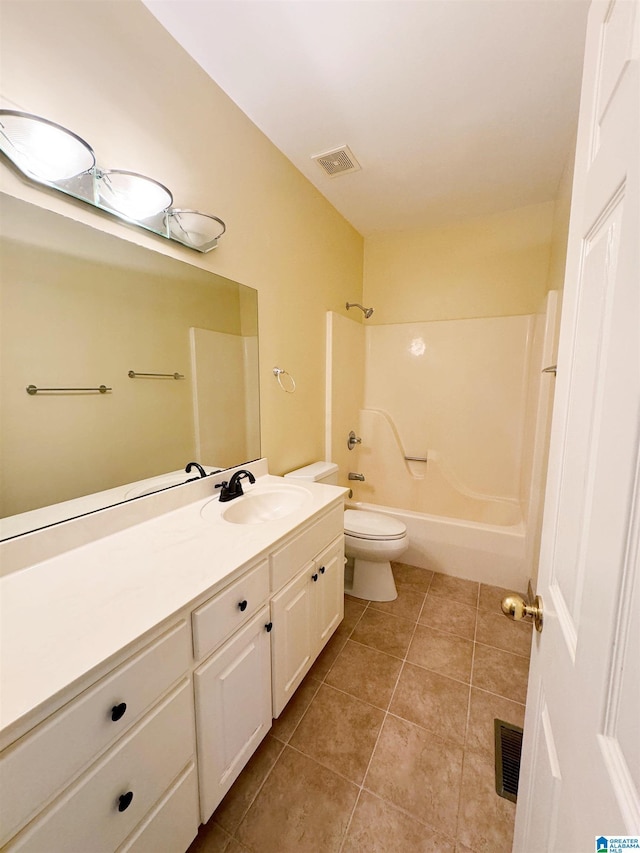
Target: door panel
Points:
x,y
581,751
545,784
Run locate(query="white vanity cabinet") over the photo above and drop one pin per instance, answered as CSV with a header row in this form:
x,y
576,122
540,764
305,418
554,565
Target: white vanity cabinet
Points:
x,y
308,609
233,709
151,721
250,677
138,723
329,591
232,685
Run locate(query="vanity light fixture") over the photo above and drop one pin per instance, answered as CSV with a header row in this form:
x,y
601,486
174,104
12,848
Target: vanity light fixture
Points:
x,y
132,195
42,150
49,154
199,230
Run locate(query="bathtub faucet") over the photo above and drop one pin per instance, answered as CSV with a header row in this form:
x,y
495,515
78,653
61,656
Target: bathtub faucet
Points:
x,y
353,476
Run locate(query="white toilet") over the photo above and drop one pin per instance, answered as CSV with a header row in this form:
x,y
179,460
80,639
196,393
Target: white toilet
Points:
x,y
371,539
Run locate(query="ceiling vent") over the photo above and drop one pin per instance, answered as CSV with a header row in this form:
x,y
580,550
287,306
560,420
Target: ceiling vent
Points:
x,y
337,162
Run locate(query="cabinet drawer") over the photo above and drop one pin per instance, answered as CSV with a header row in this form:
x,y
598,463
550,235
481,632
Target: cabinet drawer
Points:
x,y
287,561
45,760
173,823
220,616
144,763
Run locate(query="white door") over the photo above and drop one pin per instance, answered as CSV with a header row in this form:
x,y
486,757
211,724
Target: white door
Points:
x,y
581,754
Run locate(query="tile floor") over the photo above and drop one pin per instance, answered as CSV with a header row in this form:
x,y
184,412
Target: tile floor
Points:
x,y
388,744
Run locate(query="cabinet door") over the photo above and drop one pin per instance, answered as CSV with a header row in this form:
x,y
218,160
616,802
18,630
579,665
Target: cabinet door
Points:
x,y
294,635
233,709
329,591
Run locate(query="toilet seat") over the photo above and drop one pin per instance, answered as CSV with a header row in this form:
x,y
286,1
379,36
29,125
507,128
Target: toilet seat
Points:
x,y
362,524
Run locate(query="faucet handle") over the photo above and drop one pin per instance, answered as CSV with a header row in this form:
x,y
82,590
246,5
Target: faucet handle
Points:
x,y
353,440
226,493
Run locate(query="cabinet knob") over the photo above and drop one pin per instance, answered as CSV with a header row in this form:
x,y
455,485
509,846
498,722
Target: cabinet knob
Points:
x,y
124,801
322,570
117,712
268,627
243,605
315,577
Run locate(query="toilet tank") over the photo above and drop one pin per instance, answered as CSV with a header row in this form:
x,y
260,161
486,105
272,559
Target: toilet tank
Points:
x,y
317,472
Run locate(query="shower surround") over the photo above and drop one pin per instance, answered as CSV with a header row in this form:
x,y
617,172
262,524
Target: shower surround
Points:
x,y
466,396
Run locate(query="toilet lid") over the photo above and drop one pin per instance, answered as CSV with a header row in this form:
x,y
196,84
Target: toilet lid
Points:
x,y
372,525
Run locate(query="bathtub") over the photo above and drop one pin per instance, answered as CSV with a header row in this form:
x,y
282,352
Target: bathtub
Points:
x,y
490,553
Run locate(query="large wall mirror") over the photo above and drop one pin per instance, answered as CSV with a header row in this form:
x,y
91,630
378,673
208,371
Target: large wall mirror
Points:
x,y
82,309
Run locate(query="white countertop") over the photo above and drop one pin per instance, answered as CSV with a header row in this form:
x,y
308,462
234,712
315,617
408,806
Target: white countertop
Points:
x,y
65,616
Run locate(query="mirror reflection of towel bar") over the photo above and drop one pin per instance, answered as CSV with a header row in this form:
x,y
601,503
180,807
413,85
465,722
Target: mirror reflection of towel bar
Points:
x,y
133,375
416,458
32,389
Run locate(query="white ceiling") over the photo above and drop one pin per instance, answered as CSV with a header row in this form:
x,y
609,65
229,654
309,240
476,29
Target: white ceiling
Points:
x,y
454,108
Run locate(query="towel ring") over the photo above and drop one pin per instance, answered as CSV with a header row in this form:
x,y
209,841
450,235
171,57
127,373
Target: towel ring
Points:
x,y
278,372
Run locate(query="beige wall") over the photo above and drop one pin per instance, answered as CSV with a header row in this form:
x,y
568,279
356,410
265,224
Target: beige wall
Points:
x,y
492,266
109,72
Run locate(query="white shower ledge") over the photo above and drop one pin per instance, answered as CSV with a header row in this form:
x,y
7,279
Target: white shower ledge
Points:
x,y
65,617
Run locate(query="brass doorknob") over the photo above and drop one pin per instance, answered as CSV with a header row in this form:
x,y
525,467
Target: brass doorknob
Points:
x,y
516,608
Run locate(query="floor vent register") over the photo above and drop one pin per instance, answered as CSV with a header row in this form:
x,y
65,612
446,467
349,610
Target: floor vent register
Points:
x,y
508,741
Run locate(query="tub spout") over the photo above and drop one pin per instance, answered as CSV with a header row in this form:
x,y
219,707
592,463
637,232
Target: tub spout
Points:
x,y
353,476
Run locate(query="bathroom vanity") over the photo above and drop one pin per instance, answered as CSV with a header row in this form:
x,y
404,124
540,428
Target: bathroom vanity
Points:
x,y
142,665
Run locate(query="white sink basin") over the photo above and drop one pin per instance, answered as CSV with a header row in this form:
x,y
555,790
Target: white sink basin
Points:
x,y
264,504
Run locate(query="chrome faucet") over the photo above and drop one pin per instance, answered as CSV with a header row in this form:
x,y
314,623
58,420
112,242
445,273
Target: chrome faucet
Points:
x,y
353,476
233,489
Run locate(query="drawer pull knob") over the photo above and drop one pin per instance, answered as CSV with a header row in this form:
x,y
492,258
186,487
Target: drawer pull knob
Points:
x,y
314,577
322,570
243,605
268,627
124,801
117,712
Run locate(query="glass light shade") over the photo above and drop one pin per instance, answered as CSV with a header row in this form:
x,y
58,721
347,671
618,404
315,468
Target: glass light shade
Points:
x,y
49,154
192,228
132,195
41,149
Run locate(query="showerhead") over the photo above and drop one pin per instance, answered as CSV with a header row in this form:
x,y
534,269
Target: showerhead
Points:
x,y
366,311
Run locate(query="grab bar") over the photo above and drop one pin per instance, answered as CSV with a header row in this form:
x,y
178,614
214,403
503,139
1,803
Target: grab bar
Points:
x,y
416,458
133,375
32,389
